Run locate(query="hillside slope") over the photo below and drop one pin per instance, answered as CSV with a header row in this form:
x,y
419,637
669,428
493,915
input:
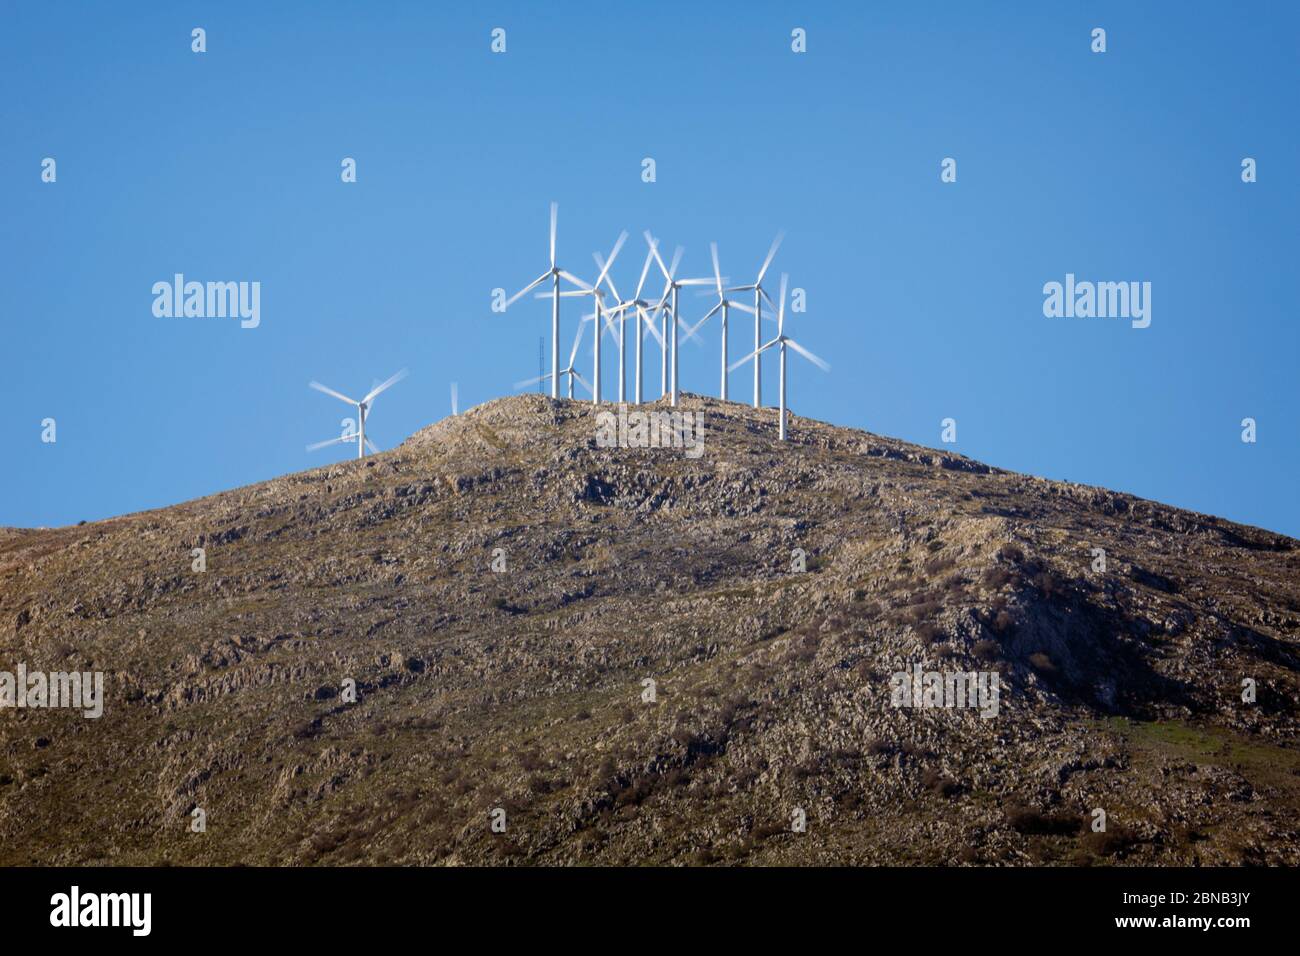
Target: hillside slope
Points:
x,y
523,690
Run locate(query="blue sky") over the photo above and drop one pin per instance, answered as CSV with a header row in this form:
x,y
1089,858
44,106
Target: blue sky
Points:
x,y
925,296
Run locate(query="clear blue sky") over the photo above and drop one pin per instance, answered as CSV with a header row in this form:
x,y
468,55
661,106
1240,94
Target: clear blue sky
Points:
x,y
926,297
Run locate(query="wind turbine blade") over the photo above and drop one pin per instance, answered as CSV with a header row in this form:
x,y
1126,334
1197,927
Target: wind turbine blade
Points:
x,y
526,289
677,259
741,306
695,282
379,388
371,446
696,327
331,441
603,266
824,366
780,315
650,327
752,355
654,251
577,340
717,270
575,280
645,269
611,327
579,377
329,391
622,238
555,210
771,254
532,381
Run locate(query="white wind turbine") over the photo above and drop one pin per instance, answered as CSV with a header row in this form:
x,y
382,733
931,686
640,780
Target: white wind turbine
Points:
x,y
363,409
619,309
661,309
724,304
783,340
554,273
759,295
673,289
621,336
569,370
598,297
644,324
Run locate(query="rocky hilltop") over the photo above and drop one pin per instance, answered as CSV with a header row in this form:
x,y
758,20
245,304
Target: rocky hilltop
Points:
x,y
500,591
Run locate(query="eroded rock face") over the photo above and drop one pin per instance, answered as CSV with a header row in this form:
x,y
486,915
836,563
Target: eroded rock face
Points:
x,y
523,689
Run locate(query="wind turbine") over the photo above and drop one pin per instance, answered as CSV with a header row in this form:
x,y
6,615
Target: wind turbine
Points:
x,y
673,288
622,326
723,305
783,340
759,295
640,305
554,273
661,308
363,408
598,297
569,370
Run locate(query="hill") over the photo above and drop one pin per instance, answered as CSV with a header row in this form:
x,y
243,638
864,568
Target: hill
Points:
x,y
522,690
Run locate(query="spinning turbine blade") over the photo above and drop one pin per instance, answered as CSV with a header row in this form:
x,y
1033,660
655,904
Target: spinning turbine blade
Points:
x,y
780,315
577,340
604,267
574,279
654,251
677,260
717,270
754,354
645,269
662,304
331,441
696,327
555,209
329,391
379,388
771,254
611,327
526,289
825,367
650,327
532,381
622,238
371,446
